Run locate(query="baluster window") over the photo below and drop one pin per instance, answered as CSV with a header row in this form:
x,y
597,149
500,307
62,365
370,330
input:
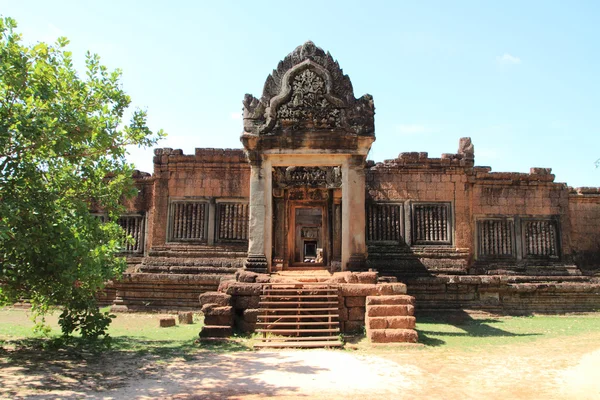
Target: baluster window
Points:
x,y
431,224
384,222
496,238
232,221
188,221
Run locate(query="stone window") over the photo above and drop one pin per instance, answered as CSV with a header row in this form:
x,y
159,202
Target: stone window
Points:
x,y
384,222
431,224
134,227
232,221
540,238
188,221
495,237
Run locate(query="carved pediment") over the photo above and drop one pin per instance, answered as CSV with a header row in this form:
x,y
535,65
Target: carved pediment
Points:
x,y
308,92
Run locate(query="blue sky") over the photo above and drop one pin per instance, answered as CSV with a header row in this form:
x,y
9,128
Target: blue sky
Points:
x,y
519,77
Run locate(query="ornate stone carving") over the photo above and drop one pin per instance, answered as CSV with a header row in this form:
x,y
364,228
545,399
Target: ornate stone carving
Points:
x,y
256,263
308,106
308,90
325,177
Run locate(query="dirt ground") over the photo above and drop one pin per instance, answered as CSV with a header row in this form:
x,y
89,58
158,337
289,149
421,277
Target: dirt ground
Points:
x,y
552,369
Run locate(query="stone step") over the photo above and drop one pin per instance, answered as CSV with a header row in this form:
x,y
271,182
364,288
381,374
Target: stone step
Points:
x,y
298,331
301,316
216,331
297,323
298,291
299,309
190,261
291,296
297,303
300,344
392,335
184,269
390,310
295,311
390,322
301,338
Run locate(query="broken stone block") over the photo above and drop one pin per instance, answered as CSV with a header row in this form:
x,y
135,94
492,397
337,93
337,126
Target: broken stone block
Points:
x,y
167,322
212,309
220,299
186,318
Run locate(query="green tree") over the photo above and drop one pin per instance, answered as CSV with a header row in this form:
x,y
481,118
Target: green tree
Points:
x,y
62,147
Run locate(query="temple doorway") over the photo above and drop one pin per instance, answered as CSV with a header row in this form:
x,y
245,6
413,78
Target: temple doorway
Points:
x,y
308,236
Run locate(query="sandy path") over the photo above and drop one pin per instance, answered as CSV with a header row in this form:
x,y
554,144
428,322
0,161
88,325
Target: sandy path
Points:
x,y
325,374
553,370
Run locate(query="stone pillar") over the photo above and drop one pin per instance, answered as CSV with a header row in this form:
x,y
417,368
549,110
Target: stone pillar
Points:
x,y
257,260
354,248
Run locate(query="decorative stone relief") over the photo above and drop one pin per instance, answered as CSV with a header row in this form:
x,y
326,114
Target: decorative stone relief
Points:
x,y
308,107
325,177
308,91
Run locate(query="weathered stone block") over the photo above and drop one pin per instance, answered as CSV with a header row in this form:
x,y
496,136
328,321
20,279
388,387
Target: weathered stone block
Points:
x,y
391,323
218,320
390,300
353,326
367,277
167,322
246,276
244,289
186,318
343,314
219,299
355,301
211,331
392,335
391,288
250,315
357,290
211,309
356,314
244,302
390,310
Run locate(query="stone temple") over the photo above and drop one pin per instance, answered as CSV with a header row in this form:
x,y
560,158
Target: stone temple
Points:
x,y
302,205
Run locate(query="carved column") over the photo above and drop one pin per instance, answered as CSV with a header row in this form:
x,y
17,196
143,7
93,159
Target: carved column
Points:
x,y
257,260
354,249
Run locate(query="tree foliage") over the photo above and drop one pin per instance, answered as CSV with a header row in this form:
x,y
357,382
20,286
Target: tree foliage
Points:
x,y
62,146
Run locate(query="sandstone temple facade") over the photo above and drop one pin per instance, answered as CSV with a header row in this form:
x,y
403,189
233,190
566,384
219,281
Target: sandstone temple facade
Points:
x,y
301,198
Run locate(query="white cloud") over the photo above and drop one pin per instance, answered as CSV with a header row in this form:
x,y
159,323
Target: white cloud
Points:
x,y
236,115
507,58
412,129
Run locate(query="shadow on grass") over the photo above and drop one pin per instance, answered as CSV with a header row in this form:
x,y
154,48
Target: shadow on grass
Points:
x,y
471,328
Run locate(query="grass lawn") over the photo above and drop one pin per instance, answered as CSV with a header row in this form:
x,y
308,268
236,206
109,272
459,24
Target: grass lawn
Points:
x,y
140,333
458,355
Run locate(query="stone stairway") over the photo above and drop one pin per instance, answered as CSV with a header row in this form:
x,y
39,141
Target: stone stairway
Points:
x,y
293,315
